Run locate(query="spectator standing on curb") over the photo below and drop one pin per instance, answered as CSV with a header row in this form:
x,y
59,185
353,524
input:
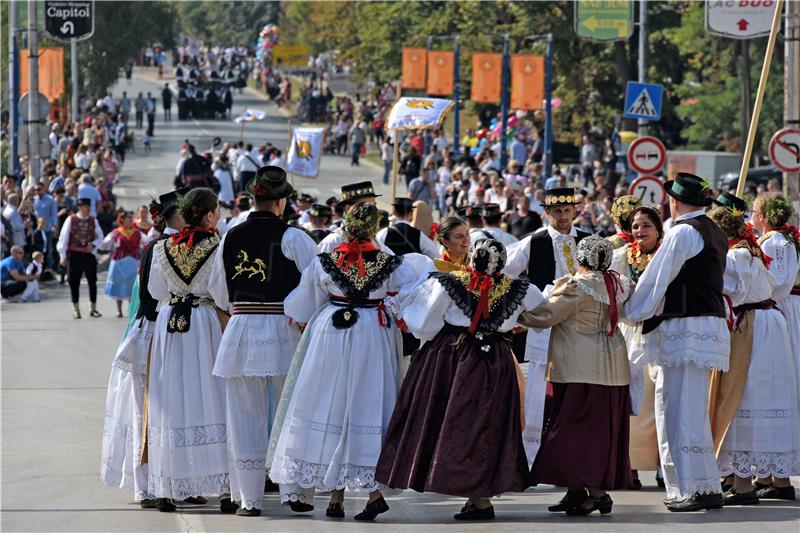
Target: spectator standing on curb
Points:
x,y
166,99
140,107
150,107
387,154
46,209
357,139
14,219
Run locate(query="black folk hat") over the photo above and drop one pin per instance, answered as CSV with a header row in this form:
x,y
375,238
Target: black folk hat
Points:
x,y
470,211
689,189
84,201
270,183
320,210
491,211
168,202
403,206
731,201
560,196
355,191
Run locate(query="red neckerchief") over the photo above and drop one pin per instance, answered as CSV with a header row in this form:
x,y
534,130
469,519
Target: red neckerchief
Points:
x,y
434,229
352,253
625,236
484,283
755,249
187,235
792,232
613,284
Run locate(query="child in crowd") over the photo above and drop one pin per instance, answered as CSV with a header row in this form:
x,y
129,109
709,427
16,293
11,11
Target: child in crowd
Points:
x,y
146,142
35,269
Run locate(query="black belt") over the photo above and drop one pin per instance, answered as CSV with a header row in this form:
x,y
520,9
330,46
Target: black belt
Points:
x,y
795,290
347,316
481,340
257,308
180,318
342,301
740,311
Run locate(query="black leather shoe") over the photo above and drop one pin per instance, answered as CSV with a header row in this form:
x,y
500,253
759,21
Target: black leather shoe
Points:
x,y
165,505
660,479
570,499
696,502
227,506
195,500
727,483
372,509
777,493
734,498
636,484
334,510
269,486
300,507
470,512
602,504
148,504
248,512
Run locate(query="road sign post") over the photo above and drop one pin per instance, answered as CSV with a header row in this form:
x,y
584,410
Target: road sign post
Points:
x,y
70,20
784,150
647,155
643,100
603,20
649,189
742,19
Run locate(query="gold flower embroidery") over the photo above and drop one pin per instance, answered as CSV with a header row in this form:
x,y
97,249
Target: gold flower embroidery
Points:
x,y
371,268
566,249
498,290
189,260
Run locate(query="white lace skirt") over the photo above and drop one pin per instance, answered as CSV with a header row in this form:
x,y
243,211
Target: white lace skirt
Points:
x,y
341,406
764,436
187,444
257,345
790,306
132,352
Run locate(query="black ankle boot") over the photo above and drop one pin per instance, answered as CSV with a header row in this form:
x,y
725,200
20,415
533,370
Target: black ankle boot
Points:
x,y
372,509
165,505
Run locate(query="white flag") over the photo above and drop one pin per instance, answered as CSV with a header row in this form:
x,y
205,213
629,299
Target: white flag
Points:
x,y
410,113
305,152
250,115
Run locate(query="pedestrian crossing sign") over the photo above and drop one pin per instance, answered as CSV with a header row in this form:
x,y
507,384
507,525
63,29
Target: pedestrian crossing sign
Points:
x,y
643,100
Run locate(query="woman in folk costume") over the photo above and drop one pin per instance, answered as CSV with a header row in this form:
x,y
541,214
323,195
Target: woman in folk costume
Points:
x,y
126,242
781,242
453,234
748,440
122,433
457,427
343,382
585,441
630,260
621,211
186,444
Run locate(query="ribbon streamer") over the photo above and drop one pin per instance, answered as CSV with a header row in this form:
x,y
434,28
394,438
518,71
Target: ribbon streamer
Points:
x,y
613,284
188,233
484,283
352,254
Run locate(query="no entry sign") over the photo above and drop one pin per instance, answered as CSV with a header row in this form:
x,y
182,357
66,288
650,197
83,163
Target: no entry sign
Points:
x,y
647,155
784,150
649,189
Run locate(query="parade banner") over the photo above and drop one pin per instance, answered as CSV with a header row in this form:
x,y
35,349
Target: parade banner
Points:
x,y
486,78
305,152
411,113
440,73
527,81
51,72
414,68
250,115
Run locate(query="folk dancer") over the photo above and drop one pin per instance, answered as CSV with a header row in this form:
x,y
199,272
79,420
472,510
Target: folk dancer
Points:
x,y
78,241
402,237
621,210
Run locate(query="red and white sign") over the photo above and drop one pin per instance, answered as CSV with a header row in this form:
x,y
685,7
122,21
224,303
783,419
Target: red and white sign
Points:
x,y
784,150
388,94
647,155
649,189
739,19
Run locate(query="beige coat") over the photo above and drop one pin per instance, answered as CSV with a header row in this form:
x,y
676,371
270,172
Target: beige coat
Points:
x,y
580,349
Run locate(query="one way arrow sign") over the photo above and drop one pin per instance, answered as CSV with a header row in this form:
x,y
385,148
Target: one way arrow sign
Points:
x,y
739,20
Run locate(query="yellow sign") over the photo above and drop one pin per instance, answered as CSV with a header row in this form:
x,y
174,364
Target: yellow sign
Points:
x,y
290,55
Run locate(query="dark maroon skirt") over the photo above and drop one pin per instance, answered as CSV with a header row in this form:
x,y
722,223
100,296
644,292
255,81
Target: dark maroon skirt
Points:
x,y
456,427
585,440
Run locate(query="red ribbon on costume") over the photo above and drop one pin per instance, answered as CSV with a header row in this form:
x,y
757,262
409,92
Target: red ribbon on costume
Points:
x,y
731,318
613,284
434,230
750,238
352,254
187,235
484,283
625,236
790,231
382,315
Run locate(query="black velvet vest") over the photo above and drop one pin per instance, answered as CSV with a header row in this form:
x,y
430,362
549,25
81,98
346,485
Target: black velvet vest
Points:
x,y
542,259
403,239
147,304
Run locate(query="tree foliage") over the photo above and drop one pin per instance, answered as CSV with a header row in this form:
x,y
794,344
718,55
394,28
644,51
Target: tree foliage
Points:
x,y
226,23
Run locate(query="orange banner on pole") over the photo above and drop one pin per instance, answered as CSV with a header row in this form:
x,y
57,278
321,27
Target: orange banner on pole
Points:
x,y
51,72
527,81
440,73
486,77
414,68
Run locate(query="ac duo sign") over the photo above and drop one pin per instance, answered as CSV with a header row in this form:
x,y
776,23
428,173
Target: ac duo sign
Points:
x,y
69,20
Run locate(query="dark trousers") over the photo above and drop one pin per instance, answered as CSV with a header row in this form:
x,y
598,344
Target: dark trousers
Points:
x,y
11,288
151,123
82,264
139,116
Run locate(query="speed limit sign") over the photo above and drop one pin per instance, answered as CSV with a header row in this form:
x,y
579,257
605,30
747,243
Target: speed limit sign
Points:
x,y
649,189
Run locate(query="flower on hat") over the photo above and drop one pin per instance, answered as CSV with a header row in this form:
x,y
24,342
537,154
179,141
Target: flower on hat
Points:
x,y
260,189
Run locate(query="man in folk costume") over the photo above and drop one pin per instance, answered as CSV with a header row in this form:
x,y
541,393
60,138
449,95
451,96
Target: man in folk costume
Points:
x,y
351,194
492,215
621,209
79,238
319,222
402,237
753,406
685,336
542,258
258,265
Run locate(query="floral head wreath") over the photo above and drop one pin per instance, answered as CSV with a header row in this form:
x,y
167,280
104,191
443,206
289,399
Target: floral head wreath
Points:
x,y
487,256
623,207
595,253
361,221
729,220
777,211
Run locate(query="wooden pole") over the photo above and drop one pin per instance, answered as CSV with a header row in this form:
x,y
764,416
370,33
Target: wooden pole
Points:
x,y
288,147
395,162
762,86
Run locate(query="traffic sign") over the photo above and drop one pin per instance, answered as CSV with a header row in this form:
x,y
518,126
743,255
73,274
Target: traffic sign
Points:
x,y
643,100
742,19
784,150
647,155
69,21
290,55
388,93
649,189
43,108
604,20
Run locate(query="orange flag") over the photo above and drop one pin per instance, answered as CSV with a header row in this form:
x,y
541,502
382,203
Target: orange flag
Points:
x,y
440,73
486,77
413,68
527,81
51,72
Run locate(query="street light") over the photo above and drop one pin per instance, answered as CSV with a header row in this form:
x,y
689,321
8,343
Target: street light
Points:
x,y
548,94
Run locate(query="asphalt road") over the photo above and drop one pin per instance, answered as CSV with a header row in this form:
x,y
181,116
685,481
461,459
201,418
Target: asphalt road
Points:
x,y
54,375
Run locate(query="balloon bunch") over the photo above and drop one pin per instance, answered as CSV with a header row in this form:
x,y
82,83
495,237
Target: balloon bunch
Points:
x,y
513,124
267,38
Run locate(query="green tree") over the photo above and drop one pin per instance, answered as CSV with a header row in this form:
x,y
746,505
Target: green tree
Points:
x,y
225,23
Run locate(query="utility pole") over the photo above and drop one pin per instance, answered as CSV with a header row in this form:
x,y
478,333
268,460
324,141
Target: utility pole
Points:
x,y
504,101
548,107
13,82
33,96
642,56
456,83
744,76
73,56
791,90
